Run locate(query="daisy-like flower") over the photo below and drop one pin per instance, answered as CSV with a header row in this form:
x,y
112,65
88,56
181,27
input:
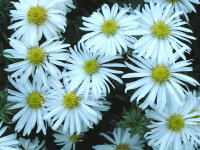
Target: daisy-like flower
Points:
x,y
91,70
122,141
29,99
175,127
183,147
72,109
8,142
162,33
158,81
64,138
36,60
107,30
37,18
27,144
180,5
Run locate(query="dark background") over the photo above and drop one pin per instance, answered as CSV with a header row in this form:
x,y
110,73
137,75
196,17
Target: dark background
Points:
x,y
72,35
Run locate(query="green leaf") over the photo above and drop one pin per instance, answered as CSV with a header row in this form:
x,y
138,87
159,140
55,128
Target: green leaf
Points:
x,y
136,120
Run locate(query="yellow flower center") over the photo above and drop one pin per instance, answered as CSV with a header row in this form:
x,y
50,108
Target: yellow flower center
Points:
x,y
91,67
175,123
160,74
74,138
172,1
36,56
35,100
37,15
123,147
71,101
160,30
109,27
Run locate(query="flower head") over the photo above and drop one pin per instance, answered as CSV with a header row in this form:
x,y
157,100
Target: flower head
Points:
x,y
72,109
157,81
89,70
122,141
38,60
175,127
37,18
180,5
162,33
29,99
107,30
68,141
9,141
35,144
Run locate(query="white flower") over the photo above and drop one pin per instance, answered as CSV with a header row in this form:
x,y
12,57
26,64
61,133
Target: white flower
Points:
x,y
180,5
36,60
29,99
122,141
90,70
8,142
107,30
158,81
183,147
175,127
64,138
37,18
66,5
27,144
162,33
72,109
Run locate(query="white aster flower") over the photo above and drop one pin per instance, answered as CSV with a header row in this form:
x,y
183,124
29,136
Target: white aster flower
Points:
x,y
72,109
37,59
158,81
183,147
29,98
122,141
175,127
180,5
88,69
27,144
37,18
8,142
107,30
162,33
68,141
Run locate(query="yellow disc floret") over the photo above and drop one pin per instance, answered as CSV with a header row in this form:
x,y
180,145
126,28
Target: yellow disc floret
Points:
x,y
70,100
175,123
109,27
91,67
35,100
74,138
160,74
160,30
36,56
123,147
37,15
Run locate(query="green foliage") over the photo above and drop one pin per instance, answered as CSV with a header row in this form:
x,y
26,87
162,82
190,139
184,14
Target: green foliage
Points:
x,y
4,106
136,120
4,10
4,34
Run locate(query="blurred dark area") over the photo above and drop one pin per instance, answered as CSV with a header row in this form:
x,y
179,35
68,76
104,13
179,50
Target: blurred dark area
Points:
x,y
72,35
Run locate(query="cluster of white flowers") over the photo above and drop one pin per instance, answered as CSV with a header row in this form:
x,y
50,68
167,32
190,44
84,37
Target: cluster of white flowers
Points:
x,y
64,87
